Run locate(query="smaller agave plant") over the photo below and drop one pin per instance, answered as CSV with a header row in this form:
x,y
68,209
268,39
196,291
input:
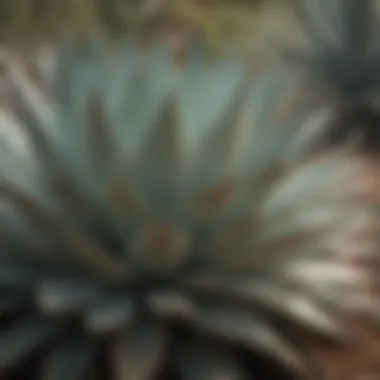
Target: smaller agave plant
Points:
x,y
341,63
156,222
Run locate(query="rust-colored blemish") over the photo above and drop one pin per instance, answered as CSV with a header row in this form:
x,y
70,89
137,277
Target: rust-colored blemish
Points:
x,y
216,198
162,245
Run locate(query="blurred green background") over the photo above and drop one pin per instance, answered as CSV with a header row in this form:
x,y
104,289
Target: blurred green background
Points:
x,y
218,21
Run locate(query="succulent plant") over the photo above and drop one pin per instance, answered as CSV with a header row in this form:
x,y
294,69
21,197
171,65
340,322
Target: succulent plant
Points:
x,y
157,223
341,62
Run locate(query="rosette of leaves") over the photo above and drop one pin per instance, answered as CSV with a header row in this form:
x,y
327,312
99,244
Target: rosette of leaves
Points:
x,y
156,223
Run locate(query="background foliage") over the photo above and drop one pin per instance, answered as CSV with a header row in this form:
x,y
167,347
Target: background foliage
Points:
x,y
218,21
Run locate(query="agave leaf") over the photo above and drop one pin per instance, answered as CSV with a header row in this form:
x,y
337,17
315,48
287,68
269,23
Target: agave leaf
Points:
x,y
58,297
70,361
101,147
209,90
296,305
162,157
138,352
22,91
110,315
75,66
208,363
220,144
89,251
299,181
172,304
19,169
23,338
247,329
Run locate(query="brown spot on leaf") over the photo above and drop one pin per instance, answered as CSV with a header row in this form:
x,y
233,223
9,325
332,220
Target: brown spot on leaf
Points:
x,y
161,246
216,199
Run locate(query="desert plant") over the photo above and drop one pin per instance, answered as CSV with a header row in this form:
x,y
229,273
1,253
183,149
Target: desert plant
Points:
x,y
160,222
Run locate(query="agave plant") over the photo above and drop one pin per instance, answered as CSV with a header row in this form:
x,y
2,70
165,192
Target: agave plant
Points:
x,y
341,64
157,223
